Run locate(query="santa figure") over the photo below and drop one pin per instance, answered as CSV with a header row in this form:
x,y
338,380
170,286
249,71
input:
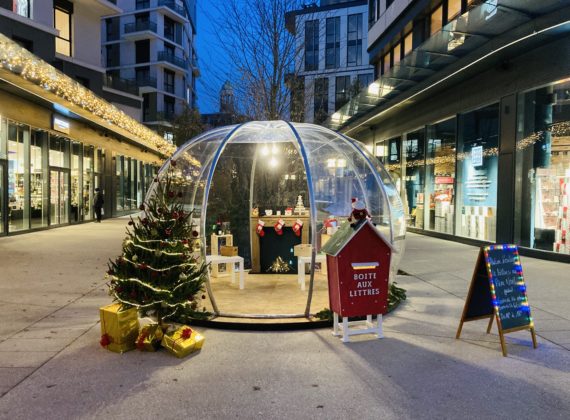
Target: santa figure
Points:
x,y
358,213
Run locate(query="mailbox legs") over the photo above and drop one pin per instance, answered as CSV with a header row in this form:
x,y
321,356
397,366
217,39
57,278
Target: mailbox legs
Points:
x,y
348,328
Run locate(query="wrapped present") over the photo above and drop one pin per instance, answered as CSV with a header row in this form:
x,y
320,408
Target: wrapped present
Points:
x,y
183,341
149,338
119,328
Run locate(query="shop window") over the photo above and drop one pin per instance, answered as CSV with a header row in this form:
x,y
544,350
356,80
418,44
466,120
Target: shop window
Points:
x,y
354,42
76,170
440,176
413,163
59,151
119,183
311,45
88,174
39,201
63,10
436,20
543,169
332,47
18,177
477,155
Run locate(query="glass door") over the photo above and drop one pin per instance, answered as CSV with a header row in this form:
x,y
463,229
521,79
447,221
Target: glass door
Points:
x,y
59,196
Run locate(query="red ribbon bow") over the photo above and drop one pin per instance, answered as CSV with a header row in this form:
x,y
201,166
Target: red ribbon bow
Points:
x,y
186,333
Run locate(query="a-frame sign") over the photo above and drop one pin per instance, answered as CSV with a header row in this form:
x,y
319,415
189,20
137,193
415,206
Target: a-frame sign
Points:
x,y
498,291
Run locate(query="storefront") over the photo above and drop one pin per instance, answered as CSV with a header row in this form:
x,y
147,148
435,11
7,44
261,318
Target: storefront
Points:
x,y
480,149
55,152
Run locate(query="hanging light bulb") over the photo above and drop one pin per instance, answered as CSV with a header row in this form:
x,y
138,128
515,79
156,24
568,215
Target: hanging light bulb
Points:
x,y
273,162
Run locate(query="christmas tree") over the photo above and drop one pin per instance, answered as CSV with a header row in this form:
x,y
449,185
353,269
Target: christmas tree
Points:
x,y
158,271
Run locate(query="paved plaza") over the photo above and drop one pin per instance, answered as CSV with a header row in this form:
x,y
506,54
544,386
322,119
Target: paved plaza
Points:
x,y
52,366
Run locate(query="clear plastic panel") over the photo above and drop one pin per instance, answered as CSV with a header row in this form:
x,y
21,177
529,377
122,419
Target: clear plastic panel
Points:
x,y
226,173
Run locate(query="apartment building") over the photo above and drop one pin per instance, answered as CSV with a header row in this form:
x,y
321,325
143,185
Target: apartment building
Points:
x,y
151,45
470,113
331,62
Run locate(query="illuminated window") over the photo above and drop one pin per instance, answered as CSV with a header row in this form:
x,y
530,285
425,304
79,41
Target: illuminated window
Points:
x,y
396,51
385,63
436,20
408,46
62,22
22,7
453,9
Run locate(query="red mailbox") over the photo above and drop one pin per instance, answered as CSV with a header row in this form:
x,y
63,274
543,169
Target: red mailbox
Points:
x,y
358,265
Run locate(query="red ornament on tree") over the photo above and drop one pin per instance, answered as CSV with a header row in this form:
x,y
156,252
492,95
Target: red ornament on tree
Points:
x,y
259,228
279,227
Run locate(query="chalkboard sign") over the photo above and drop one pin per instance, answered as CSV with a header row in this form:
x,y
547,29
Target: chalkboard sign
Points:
x,y
498,291
508,289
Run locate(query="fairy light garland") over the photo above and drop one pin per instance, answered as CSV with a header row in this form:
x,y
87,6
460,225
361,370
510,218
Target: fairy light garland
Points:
x,y
21,62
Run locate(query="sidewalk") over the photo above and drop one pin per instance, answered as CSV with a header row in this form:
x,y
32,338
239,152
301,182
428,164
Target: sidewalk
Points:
x,y
52,367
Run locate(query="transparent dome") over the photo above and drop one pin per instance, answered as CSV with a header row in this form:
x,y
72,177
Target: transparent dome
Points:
x,y
236,176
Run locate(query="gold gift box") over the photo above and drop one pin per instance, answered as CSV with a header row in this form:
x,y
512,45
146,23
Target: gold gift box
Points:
x,y
119,327
149,338
178,345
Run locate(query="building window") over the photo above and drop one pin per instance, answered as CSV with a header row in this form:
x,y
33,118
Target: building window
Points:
x,y
354,44
321,108
365,80
386,63
63,11
169,26
342,85
142,4
453,9
542,188
408,44
168,107
311,45
169,81
332,53
142,51
440,176
477,168
112,28
436,20
22,7
413,155
396,54
113,55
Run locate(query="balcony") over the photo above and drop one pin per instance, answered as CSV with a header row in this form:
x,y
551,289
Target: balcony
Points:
x,y
117,83
145,82
176,8
164,116
139,30
168,57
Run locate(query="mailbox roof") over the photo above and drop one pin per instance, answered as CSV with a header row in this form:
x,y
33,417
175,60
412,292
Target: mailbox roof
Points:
x,y
344,235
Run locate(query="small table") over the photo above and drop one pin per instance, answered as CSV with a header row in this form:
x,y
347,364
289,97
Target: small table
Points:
x,y
301,261
215,260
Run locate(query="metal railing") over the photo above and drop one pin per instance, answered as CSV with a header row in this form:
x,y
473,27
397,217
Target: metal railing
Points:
x,y
146,81
118,83
140,26
171,58
158,116
173,6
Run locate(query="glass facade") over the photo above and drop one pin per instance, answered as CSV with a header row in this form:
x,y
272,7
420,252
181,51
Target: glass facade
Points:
x,y
47,179
446,173
543,168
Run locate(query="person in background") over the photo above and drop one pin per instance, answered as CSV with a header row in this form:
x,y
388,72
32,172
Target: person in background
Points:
x,y
98,205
